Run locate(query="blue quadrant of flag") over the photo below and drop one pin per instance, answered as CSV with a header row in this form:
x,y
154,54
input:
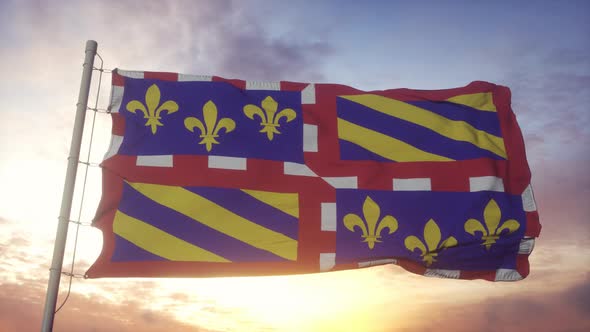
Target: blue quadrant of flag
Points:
x,y
430,218
249,137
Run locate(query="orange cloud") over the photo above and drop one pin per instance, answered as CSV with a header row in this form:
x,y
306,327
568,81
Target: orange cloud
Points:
x,y
565,310
21,308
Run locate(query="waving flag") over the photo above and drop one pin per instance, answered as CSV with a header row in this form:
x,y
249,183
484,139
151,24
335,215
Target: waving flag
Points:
x,y
207,176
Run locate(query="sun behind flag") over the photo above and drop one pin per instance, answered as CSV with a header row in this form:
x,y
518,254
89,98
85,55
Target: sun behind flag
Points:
x,y
213,177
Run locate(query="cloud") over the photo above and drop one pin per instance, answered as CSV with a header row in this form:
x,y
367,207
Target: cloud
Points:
x,y
579,297
19,261
550,94
561,189
246,52
21,308
215,38
19,241
572,57
518,311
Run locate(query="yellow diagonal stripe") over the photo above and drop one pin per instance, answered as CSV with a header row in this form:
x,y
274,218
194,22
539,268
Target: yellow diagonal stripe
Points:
x,y
383,145
159,242
457,130
286,202
210,214
482,101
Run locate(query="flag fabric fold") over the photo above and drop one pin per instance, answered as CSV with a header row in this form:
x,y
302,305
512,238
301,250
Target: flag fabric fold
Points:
x,y
207,176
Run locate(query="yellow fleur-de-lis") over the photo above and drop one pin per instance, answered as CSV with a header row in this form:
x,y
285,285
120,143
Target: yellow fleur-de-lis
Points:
x,y
153,111
209,130
491,232
269,117
371,227
433,245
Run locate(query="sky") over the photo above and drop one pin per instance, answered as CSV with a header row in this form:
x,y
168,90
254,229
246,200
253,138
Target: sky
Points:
x,y
540,49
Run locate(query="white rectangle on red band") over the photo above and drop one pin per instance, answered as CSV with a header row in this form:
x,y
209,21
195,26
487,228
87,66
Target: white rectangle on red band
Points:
x,y
310,138
528,200
194,78
344,182
308,94
526,246
116,98
327,261
227,162
440,273
378,262
130,73
486,183
328,217
116,142
417,184
507,275
155,161
290,168
254,85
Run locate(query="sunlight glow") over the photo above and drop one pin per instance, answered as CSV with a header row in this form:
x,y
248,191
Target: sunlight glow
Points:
x,y
296,303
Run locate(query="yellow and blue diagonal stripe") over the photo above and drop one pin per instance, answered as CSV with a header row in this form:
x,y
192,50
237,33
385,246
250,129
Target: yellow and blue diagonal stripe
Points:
x,y
158,222
373,127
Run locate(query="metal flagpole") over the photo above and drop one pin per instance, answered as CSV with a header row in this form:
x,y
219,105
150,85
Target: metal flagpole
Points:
x,y
68,194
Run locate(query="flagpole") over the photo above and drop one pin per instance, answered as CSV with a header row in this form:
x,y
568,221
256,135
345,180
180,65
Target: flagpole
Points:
x,y
68,193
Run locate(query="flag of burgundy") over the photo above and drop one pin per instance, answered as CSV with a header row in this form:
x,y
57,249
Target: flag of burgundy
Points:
x,y
207,176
